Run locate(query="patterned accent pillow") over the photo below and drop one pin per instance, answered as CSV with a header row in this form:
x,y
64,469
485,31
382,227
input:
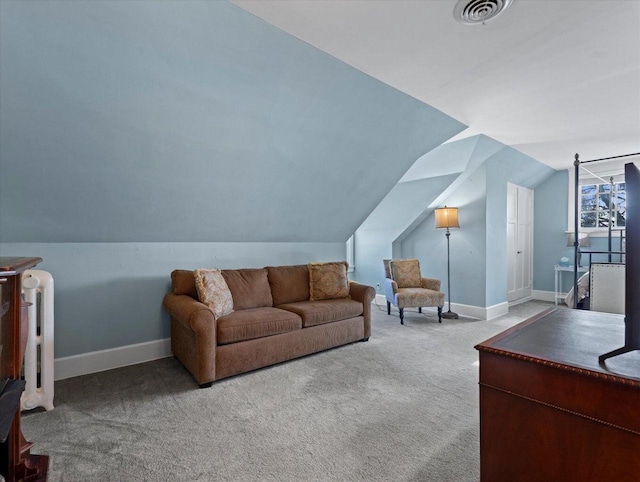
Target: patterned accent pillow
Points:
x,y
406,272
328,281
213,291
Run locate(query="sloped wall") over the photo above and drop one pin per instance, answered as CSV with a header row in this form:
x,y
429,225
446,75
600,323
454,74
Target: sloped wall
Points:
x,y
191,121
479,247
467,244
374,238
141,136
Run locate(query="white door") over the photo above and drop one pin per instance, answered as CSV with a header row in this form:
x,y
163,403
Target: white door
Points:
x,y
519,242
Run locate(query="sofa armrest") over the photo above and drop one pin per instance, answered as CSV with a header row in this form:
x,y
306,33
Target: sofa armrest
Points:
x,y
365,295
431,284
193,335
190,313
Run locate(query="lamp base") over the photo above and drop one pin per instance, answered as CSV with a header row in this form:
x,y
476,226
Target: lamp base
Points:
x,y
450,315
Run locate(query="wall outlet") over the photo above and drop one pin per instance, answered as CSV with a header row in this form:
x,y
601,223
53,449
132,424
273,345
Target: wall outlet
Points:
x,y
378,287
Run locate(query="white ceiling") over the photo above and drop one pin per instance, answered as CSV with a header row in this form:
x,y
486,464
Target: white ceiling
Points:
x,y
550,78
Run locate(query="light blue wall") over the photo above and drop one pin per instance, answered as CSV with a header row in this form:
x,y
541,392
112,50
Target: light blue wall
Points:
x,y
550,223
374,238
110,294
467,244
550,238
434,177
140,136
190,121
479,247
506,166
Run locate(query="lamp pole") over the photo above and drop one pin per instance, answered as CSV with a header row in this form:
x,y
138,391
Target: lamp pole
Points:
x,y
450,315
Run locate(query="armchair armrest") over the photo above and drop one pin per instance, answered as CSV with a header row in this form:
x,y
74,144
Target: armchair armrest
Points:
x,y
365,295
431,284
390,289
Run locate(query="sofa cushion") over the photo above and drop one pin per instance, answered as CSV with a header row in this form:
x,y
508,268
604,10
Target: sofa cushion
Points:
x,y
184,283
213,291
288,283
255,323
406,273
328,281
249,288
324,311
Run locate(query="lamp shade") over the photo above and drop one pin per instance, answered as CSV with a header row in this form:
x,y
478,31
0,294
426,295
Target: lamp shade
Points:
x,y
447,217
584,240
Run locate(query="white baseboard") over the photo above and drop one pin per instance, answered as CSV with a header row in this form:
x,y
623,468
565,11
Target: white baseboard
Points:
x,y
469,311
98,361
543,295
497,310
520,301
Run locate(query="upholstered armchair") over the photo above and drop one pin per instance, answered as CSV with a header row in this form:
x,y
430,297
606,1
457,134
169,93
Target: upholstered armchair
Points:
x,y
406,288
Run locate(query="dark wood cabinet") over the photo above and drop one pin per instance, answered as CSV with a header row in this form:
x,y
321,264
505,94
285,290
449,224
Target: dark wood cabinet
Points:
x,y
16,461
549,411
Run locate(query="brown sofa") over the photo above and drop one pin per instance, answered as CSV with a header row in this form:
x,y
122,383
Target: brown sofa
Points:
x,y
273,321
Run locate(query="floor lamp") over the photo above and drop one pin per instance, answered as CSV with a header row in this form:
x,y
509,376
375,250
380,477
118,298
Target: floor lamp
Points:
x,y
448,218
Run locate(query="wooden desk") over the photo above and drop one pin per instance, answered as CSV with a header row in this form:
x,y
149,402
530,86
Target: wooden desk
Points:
x,y
549,411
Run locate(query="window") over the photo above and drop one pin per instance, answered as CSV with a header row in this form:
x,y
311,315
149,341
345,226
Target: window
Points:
x,y
594,205
351,253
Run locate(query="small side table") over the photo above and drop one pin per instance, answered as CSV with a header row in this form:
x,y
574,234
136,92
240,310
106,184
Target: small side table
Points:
x,y
560,295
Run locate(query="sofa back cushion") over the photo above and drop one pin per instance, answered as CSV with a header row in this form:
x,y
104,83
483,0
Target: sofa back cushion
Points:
x,y
289,284
184,283
328,281
249,288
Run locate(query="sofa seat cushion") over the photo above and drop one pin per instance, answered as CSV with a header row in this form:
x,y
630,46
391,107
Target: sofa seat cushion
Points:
x,y
412,297
324,311
255,323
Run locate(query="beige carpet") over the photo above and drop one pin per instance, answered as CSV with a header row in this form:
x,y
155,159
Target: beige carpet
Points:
x,y
401,407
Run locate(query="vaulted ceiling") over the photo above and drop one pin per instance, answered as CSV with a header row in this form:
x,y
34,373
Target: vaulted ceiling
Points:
x,y
549,78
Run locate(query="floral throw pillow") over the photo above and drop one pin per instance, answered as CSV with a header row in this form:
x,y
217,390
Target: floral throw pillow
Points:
x,y
328,281
213,291
406,273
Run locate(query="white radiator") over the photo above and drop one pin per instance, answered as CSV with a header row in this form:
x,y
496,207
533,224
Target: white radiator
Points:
x,y
37,288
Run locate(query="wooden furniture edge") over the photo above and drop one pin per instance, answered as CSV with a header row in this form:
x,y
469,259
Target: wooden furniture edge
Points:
x,y
503,334
486,347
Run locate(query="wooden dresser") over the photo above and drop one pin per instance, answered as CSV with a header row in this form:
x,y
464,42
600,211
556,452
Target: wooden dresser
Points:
x,y
549,411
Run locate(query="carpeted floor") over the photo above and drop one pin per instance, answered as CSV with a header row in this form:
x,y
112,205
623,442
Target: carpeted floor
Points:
x,y
401,407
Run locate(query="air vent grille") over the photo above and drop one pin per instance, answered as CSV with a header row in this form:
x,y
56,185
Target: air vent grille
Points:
x,y
473,12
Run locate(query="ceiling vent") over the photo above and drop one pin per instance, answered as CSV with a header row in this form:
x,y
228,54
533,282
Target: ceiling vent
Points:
x,y
472,12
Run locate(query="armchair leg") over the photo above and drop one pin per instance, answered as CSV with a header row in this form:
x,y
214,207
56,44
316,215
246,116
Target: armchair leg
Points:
x,y
401,316
419,309
439,314
388,308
